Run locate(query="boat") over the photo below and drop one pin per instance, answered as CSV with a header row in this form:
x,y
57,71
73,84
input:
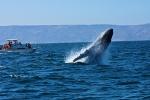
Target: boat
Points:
x,y
13,45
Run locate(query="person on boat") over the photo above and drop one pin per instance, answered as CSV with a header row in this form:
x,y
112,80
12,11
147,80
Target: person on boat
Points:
x,y
10,44
1,47
20,43
6,46
15,42
28,45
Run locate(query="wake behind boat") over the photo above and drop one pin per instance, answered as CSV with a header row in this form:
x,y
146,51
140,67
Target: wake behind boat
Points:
x,y
13,45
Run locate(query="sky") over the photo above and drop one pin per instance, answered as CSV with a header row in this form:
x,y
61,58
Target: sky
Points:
x,y
74,12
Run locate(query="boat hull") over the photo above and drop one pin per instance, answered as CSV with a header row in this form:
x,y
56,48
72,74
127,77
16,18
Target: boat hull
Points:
x,y
19,50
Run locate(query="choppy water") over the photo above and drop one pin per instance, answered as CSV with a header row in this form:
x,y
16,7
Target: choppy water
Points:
x,y
44,75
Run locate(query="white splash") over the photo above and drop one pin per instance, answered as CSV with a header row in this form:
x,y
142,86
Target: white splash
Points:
x,y
1,66
73,54
96,52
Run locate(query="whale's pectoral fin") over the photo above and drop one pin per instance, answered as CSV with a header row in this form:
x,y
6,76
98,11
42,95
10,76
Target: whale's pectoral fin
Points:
x,y
81,55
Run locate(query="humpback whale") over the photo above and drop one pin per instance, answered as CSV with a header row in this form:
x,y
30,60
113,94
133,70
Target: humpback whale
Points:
x,y
94,52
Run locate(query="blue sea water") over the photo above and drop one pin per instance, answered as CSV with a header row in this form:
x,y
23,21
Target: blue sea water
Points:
x,y
44,75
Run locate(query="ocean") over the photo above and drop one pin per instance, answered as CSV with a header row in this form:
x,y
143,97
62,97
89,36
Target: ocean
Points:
x,y
45,75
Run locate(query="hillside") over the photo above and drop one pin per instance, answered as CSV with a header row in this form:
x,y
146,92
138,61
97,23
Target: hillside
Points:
x,y
73,33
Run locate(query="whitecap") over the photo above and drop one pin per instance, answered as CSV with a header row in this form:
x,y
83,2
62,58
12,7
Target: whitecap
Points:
x,y
1,66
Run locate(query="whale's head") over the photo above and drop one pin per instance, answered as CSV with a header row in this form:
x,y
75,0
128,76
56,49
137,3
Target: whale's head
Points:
x,y
107,36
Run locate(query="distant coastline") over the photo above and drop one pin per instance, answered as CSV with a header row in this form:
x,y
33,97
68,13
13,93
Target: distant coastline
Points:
x,y
91,42
72,33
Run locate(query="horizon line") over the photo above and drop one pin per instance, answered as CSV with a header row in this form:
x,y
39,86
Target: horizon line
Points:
x,y
71,24
86,42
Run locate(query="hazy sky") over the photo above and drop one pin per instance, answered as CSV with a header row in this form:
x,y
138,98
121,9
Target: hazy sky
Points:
x,y
62,12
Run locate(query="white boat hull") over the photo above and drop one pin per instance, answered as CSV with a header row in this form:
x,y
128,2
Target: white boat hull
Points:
x,y
19,50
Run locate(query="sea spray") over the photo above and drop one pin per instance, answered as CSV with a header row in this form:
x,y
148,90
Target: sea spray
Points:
x,y
95,52
103,58
73,54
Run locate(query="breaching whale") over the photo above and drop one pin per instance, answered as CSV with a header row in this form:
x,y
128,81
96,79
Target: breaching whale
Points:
x,y
94,52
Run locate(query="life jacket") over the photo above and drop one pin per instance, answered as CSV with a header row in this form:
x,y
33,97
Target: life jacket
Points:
x,y
6,46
